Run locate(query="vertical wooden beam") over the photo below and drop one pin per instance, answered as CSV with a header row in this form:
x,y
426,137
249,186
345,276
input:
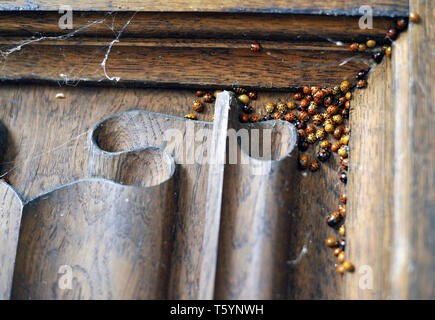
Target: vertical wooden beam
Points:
x,y
419,210
214,197
391,193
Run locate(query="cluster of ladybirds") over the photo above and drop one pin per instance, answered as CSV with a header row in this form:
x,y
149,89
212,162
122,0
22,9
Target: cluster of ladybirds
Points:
x,y
317,114
390,36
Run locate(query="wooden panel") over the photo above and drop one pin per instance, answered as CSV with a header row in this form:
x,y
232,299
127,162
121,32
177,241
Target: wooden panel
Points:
x,y
391,189
207,65
114,239
350,7
39,160
420,207
368,221
10,217
256,225
193,26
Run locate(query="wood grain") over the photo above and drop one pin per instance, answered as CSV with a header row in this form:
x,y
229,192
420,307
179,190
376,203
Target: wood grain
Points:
x,y
212,217
421,279
254,239
368,223
392,165
40,160
10,218
193,25
115,239
187,66
349,7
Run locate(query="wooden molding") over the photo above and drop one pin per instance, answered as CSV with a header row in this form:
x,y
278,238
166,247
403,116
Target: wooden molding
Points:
x,y
343,7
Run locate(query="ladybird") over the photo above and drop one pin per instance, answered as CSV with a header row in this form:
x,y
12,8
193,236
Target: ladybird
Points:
x,y
314,89
345,164
348,266
300,125
321,134
254,118
414,17
377,57
341,256
252,95
320,94
256,47
392,34
326,116
329,128
303,161
328,101
388,51
331,242
337,119
277,115
362,47
240,90
341,103
342,231
343,198
337,133
362,74
247,109
304,103
317,119
302,134
244,118
267,117
325,144
198,106
306,90
346,130
334,219
343,177
297,96
314,166
342,244
303,116
342,210
345,113
199,93
290,117
345,139
361,84
343,151
282,107
243,98
208,97
353,47
323,155
331,110
312,109
303,146
291,105
190,116
270,107
340,269
311,138
371,43
345,86
335,146
337,251
311,128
